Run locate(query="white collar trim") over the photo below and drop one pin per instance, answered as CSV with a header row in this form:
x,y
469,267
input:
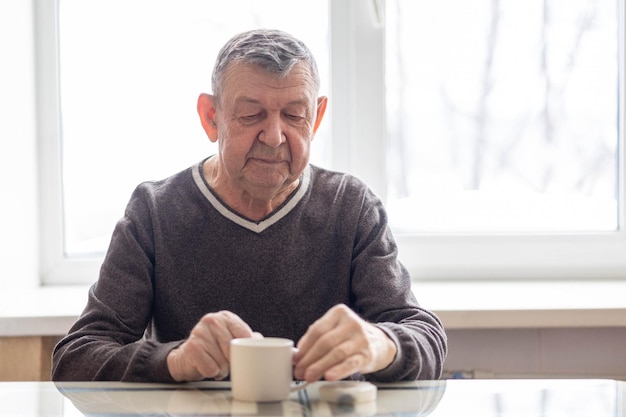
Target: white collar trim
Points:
x,y
256,227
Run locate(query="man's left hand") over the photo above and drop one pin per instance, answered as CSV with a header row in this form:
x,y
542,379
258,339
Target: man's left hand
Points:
x,y
340,344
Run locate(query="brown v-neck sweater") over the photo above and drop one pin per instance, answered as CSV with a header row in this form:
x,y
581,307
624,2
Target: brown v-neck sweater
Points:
x,y
179,252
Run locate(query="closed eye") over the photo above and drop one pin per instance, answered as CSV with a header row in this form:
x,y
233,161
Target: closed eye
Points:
x,y
251,118
294,117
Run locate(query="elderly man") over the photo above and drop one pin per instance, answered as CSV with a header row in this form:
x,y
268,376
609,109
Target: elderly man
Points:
x,y
251,242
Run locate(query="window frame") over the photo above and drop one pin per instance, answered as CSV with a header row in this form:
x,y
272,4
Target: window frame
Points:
x,y
357,33
54,267
559,256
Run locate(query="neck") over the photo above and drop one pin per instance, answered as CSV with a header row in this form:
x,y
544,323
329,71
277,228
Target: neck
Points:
x,y
254,206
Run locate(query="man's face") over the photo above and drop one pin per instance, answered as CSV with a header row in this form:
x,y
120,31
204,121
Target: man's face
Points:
x,y
265,127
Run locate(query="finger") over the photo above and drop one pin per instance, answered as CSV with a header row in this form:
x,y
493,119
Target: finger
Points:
x,y
339,362
344,369
338,316
339,339
198,360
236,332
237,328
327,351
221,329
209,341
205,352
317,330
368,350
305,355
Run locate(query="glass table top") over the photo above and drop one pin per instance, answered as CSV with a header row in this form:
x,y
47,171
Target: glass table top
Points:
x,y
545,398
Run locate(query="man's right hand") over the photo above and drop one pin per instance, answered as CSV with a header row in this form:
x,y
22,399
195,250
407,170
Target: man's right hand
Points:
x,y
206,353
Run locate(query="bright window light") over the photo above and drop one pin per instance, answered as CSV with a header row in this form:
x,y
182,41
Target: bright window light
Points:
x,y
130,74
502,116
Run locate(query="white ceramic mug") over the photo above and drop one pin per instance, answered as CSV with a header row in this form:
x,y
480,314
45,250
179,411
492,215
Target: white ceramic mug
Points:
x,y
261,369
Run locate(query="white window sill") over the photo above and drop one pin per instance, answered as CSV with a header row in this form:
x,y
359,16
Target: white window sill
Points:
x,y
525,304
43,311
50,311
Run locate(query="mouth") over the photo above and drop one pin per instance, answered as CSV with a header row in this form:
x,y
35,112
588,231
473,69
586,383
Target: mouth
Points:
x,y
266,161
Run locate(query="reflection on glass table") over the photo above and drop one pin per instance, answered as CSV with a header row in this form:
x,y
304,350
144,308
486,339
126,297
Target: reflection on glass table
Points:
x,y
589,398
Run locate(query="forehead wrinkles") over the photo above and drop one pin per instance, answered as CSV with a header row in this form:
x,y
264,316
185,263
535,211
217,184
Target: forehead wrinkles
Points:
x,y
241,80
245,101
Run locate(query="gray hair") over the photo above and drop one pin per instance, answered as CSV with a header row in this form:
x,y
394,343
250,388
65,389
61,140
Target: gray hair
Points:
x,y
273,50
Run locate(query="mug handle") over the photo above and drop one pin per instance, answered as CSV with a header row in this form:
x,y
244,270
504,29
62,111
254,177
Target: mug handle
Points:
x,y
297,385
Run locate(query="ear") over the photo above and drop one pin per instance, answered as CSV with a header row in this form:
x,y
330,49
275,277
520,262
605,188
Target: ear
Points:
x,y
321,109
206,111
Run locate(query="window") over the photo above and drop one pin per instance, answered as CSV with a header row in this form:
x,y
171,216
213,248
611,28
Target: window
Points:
x,y
128,96
495,141
507,253
129,74
508,123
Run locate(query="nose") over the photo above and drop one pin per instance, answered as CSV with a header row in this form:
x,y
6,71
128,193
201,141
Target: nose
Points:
x,y
272,134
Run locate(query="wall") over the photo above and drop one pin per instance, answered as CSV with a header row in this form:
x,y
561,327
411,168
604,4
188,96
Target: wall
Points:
x,y
538,353
26,358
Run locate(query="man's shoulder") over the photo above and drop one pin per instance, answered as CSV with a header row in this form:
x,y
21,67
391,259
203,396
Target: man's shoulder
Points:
x,y
330,179
174,183
341,189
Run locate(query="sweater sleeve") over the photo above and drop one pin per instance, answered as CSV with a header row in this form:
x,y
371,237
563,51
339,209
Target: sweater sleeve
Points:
x,y
107,342
382,294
